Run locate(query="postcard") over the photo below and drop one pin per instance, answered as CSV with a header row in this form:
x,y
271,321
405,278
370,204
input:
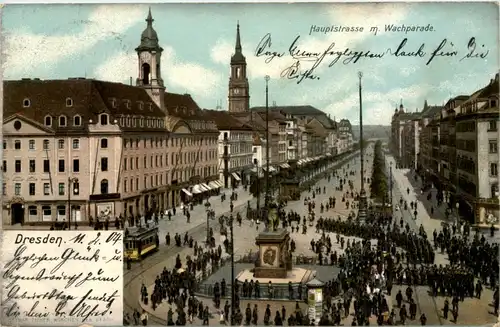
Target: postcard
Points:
x,y
327,163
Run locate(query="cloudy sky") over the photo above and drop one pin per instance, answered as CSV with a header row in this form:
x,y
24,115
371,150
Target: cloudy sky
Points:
x,y
98,41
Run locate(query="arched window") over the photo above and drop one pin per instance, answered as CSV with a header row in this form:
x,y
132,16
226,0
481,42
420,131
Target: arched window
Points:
x,y
48,121
69,102
26,103
146,72
103,119
77,120
62,121
104,186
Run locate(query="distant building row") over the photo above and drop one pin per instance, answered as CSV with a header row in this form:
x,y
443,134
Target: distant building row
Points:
x,y
456,147
112,149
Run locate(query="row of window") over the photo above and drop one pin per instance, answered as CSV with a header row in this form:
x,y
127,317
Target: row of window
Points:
x,y
128,104
132,184
47,212
238,136
473,105
47,190
46,144
77,120
160,142
27,102
61,167
128,164
467,126
63,121
142,122
159,160
466,145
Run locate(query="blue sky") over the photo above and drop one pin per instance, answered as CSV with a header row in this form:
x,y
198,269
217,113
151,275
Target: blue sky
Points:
x,y
98,41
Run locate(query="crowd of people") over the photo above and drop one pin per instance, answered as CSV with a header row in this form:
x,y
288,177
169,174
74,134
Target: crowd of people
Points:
x,y
376,255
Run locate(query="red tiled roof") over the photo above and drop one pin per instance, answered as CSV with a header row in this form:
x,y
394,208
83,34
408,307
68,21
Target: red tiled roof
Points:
x,y
88,99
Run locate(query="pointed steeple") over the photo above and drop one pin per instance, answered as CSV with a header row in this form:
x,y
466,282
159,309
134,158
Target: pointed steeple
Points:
x,y
149,37
238,56
238,40
150,19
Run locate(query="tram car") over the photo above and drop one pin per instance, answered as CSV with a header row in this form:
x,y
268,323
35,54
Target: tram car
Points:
x,y
139,242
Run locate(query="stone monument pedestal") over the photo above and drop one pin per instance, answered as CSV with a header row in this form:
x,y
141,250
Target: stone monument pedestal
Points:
x,y
274,257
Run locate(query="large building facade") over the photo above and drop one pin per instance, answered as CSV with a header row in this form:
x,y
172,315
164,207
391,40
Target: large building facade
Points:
x,y
103,149
456,149
64,145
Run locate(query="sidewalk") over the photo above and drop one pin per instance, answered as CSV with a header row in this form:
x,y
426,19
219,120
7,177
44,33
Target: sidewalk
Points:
x,y
179,224
400,185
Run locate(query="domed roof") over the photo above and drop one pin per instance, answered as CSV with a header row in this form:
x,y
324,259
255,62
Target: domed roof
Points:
x,y
149,37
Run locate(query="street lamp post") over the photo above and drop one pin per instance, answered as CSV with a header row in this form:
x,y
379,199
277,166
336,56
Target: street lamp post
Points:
x,y
390,181
257,186
207,209
230,221
362,193
71,181
457,205
266,200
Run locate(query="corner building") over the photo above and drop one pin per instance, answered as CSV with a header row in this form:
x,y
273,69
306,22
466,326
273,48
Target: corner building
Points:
x,y
103,149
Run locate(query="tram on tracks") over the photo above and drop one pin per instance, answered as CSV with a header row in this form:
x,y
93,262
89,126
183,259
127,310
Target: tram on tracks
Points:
x,y
140,241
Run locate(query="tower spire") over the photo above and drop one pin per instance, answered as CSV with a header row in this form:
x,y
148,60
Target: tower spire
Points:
x,y
150,19
238,39
238,83
238,56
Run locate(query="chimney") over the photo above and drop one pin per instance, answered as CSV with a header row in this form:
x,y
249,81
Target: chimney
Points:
x,y
496,77
130,80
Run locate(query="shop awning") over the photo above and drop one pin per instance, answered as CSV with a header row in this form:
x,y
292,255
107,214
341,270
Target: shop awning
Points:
x,y
285,165
272,169
328,154
300,162
213,184
208,188
219,183
197,189
187,192
235,175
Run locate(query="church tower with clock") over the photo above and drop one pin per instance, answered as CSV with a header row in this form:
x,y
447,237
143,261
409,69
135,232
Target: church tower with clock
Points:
x,y
239,97
149,56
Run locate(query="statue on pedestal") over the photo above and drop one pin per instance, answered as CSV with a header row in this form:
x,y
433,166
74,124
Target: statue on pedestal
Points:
x,y
273,216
